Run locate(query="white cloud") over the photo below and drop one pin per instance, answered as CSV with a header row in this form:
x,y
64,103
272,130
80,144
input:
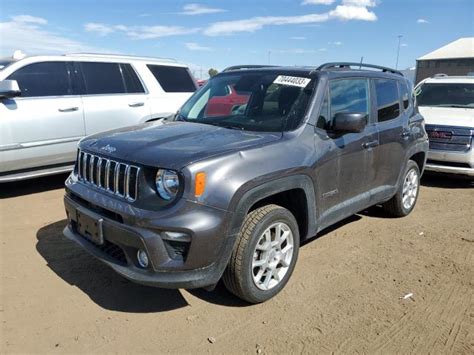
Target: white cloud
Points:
x,y
360,3
153,32
298,38
193,46
29,19
31,35
317,2
349,12
422,20
197,9
336,43
403,45
256,23
99,28
139,32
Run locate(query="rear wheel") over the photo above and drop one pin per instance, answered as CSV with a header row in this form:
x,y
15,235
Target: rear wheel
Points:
x,y
265,254
405,199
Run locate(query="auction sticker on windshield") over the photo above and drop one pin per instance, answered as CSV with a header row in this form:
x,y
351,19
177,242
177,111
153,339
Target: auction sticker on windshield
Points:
x,y
292,81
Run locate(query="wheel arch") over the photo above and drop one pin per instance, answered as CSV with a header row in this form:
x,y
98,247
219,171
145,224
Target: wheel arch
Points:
x,y
295,193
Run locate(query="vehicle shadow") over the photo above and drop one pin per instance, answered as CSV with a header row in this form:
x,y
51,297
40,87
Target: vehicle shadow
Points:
x,y
32,186
446,181
108,289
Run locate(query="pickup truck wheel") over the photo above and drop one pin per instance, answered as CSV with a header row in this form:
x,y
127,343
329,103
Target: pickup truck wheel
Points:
x,y
264,255
405,199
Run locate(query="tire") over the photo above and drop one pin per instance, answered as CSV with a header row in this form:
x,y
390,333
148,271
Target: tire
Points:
x,y
243,269
397,206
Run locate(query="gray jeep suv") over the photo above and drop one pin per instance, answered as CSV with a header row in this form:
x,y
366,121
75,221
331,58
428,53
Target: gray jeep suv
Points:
x,y
256,161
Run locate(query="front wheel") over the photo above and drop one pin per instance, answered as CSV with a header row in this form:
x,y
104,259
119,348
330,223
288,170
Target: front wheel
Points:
x,y
405,199
265,254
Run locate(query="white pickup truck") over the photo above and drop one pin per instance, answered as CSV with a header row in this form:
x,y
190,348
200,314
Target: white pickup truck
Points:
x,y
48,103
447,104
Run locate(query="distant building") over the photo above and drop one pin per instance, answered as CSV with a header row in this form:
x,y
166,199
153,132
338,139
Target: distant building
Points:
x,y
455,58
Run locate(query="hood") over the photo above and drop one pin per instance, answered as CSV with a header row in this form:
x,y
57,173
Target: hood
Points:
x,y
448,116
172,145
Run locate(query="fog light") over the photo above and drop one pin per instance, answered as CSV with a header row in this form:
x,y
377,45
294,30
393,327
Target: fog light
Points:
x,y
142,258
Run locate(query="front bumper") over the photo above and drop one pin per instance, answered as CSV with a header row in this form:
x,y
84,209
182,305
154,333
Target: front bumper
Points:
x,y
451,162
126,229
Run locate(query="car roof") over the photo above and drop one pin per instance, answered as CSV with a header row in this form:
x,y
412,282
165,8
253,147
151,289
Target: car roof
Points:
x,y
312,71
449,80
98,57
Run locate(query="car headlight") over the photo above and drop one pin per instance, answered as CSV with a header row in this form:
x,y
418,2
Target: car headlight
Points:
x,y
167,184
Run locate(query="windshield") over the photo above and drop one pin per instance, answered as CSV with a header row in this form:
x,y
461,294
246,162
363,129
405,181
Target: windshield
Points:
x,y
446,95
250,101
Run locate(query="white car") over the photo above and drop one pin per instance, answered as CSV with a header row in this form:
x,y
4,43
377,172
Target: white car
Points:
x,y
447,104
48,103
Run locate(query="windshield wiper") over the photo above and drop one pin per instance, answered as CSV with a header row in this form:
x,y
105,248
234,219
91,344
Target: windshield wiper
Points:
x,y
228,126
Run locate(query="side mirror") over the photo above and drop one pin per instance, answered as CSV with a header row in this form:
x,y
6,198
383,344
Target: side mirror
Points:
x,y
349,122
9,88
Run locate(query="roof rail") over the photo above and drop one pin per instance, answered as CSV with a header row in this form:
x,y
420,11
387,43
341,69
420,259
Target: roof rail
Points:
x,y
348,65
105,55
251,66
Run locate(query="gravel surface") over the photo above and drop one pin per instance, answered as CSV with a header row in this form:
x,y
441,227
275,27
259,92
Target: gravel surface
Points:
x,y
350,292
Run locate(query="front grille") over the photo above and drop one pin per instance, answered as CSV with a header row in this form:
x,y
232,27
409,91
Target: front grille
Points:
x,y
109,175
448,138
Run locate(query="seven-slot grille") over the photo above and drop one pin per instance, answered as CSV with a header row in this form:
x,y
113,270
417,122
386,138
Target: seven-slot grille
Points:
x,y
109,175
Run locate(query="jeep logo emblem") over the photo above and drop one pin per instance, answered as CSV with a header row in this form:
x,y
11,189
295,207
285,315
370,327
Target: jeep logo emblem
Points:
x,y
108,148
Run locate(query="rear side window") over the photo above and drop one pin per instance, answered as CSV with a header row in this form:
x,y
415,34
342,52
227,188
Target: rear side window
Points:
x,y
132,82
173,79
103,78
388,104
43,79
404,95
348,95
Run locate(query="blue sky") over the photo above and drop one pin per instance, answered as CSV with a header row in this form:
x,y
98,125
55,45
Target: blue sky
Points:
x,y
222,33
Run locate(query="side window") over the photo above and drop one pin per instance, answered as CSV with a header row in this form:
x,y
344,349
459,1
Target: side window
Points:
x,y
173,79
404,95
132,82
388,104
102,78
348,95
43,79
323,118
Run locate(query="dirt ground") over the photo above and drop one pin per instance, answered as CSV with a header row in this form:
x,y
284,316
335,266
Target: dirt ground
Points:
x,y
345,295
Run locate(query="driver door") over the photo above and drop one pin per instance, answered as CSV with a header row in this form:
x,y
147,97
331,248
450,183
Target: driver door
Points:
x,y
343,173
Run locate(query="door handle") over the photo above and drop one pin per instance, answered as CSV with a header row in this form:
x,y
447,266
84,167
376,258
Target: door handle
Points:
x,y
370,144
136,104
68,109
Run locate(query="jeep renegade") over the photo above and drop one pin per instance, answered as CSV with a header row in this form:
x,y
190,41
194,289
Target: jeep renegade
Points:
x,y
185,202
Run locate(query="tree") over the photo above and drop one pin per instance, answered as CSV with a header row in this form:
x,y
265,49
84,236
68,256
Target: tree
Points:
x,y
212,72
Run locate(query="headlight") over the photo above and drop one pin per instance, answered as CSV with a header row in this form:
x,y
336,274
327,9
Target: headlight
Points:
x,y
167,184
